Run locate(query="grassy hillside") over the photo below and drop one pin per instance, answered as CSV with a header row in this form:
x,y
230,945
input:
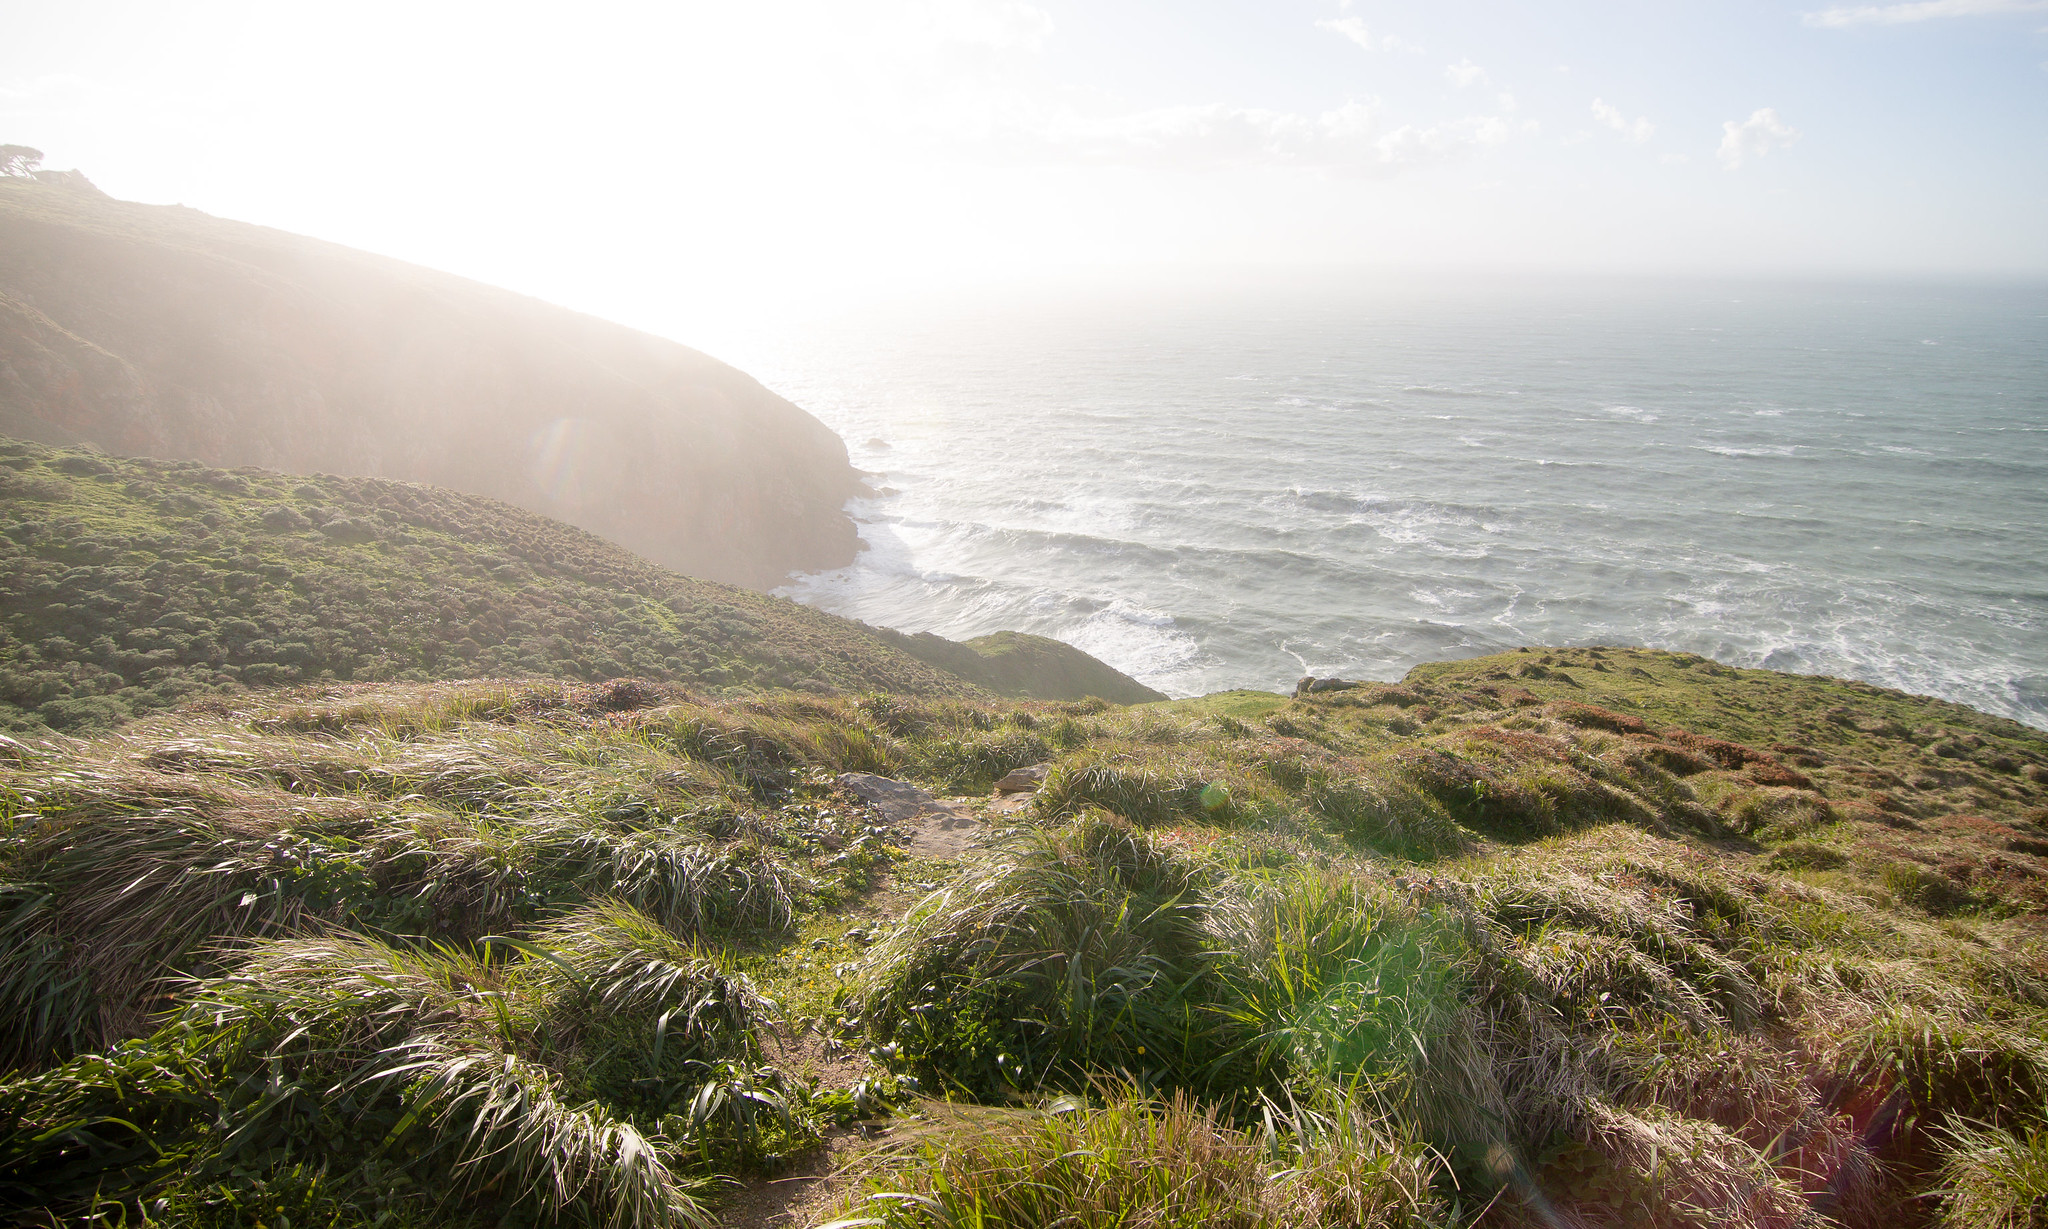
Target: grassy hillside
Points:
x,y
131,585
1467,950
1026,666
160,331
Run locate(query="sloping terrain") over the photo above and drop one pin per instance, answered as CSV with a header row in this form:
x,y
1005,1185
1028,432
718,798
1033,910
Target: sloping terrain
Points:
x,y
131,585
164,332
1025,666
1465,950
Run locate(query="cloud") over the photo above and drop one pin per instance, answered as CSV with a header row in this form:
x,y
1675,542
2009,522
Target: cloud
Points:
x,y
1922,10
1464,73
1351,138
1355,29
1639,132
1754,137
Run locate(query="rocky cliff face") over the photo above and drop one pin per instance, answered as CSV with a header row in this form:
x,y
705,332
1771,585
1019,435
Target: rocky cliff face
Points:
x,y
164,332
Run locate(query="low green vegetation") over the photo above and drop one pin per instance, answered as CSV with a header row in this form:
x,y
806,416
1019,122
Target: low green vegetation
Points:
x,y
1024,666
1457,951
132,585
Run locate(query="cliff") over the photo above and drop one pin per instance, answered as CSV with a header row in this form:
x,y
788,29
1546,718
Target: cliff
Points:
x,y
164,332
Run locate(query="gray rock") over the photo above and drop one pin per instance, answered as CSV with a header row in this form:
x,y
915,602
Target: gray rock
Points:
x,y
935,829
1023,780
1312,685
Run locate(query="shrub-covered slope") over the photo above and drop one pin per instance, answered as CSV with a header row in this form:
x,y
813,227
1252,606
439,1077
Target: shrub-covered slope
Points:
x,y
1448,952
134,584
1026,666
156,330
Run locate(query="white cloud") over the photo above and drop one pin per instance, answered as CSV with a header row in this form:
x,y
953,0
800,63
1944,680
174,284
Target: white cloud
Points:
x,y
1922,10
1639,132
1355,29
1464,73
1754,137
1350,138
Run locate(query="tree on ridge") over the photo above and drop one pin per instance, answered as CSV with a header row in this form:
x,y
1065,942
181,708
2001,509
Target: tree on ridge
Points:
x,y
19,160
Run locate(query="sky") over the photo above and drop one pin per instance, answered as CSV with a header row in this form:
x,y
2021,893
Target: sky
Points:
x,y
679,165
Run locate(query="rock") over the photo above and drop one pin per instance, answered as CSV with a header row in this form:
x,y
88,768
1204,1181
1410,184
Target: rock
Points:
x,y
935,829
896,800
1309,684
1011,804
1021,780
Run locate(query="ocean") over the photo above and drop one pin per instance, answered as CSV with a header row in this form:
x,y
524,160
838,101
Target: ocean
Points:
x,y
1226,486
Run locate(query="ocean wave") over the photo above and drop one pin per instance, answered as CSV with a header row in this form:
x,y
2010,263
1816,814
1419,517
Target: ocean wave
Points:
x,y
1629,495
1438,390
1771,451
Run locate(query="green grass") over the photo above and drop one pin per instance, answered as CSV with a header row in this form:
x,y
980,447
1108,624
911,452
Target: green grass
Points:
x,y
1135,1160
135,584
479,953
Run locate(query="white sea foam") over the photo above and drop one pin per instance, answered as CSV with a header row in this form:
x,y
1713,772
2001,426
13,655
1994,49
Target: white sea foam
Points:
x,y
1181,502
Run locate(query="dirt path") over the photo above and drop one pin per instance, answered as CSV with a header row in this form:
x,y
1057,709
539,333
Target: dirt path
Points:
x,y
929,827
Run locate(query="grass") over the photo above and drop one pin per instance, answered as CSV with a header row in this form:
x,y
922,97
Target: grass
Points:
x,y
132,585
1995,1179
1071,951
535,952
1137,1160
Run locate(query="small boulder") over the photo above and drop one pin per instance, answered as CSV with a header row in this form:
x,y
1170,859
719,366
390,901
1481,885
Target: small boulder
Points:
x,y
1311,685
1023,780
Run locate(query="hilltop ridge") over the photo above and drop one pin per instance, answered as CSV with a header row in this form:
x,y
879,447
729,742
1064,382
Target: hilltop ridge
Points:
x,y
164,332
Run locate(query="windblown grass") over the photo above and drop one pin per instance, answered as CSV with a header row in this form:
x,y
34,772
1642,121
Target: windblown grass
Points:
x,y
1162,1163
1995,1179
468,953
1071,951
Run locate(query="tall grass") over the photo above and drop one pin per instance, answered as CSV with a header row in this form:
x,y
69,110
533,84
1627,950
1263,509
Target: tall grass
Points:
x,y
47,1004
311,1041
1338,981
676,876
1344,966
612,961
1068,952
1994,1178
1161,1163
510,1133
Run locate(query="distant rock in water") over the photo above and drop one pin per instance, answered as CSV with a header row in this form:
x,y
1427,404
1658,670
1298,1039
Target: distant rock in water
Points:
x,y
161,331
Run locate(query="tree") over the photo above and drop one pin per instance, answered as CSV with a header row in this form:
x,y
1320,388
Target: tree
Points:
x,y
19,160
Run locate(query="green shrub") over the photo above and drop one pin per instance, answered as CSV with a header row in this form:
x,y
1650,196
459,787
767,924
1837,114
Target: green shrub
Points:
x,y
1071,952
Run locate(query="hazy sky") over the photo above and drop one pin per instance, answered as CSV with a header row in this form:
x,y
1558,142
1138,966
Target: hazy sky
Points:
x,y
661,163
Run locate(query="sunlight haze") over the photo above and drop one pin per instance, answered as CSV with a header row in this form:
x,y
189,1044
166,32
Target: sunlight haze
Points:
x,y
676,166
